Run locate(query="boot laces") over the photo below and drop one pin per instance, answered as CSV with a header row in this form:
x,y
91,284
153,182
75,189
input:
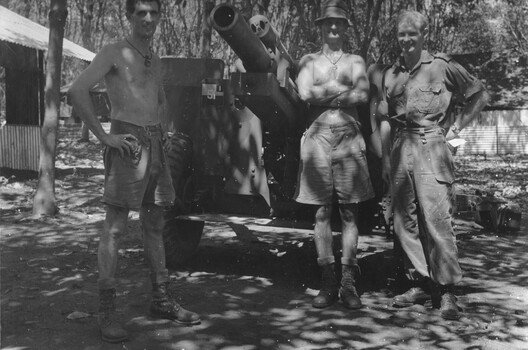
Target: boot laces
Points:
x,y
162,298
348,280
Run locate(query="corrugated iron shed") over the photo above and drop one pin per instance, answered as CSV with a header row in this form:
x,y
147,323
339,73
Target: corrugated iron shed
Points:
x,y
17,29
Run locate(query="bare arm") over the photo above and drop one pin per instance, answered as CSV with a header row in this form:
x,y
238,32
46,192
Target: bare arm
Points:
x,y
79,94
305,82
382,113
375,137
358,91
332,92
474,105
162,109
164,116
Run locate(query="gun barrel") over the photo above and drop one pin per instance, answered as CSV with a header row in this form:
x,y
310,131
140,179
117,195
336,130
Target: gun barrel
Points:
x,y
261,26
233,28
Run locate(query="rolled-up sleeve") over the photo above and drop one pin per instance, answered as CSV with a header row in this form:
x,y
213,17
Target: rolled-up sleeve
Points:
x,y
460,82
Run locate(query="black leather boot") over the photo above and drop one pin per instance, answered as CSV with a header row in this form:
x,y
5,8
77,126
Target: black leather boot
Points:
x,y
328,293
111,330
163,306
347,292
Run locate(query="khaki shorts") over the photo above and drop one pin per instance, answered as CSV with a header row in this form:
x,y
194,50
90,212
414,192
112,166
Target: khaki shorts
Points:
x,y
142,177
333,159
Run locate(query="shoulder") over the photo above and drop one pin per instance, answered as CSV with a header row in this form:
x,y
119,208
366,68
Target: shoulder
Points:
x,y
110,51
443,57
308,58
355,58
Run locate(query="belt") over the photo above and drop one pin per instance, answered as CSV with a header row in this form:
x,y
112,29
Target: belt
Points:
x,y
152,127
144,133
417,127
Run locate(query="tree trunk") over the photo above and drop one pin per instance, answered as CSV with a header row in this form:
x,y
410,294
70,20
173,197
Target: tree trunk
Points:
x,y
205,40
44,202
370,29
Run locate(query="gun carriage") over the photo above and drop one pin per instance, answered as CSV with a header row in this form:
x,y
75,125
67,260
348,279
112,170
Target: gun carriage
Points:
x,y
235,143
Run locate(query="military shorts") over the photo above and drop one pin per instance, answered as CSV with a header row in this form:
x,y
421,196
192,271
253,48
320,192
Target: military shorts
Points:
x,y
142,177
333,159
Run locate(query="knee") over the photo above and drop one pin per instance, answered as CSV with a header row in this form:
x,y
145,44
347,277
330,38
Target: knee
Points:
x,y
323,214
115,222
348,213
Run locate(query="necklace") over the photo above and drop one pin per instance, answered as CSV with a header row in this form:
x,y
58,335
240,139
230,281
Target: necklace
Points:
x,y
333,69
148,57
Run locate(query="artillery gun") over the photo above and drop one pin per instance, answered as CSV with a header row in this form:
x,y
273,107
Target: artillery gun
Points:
x,y
235,144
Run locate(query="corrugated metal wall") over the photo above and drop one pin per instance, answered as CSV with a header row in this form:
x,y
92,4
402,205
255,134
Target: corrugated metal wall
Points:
x,y
497,132
19,147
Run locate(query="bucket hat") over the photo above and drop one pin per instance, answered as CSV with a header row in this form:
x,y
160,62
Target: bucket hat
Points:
x,y
333,9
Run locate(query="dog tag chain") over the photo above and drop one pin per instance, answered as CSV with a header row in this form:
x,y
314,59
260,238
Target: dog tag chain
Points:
x,y
147,58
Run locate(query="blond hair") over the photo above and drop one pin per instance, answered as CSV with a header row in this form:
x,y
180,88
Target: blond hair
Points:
x,y
414,18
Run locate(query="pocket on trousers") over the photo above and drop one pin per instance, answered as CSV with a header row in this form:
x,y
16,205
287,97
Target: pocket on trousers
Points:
x,y
134,157
131,159
442,162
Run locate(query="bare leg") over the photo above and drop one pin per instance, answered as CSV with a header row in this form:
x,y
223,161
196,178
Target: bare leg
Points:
x,y
323,235
114,226
151,217
350,230
162,306
325,257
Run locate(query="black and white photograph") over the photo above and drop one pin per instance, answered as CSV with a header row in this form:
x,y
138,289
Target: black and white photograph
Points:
x,y
263,174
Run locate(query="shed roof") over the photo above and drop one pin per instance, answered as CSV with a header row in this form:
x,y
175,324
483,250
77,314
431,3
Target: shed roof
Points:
x,y
17,29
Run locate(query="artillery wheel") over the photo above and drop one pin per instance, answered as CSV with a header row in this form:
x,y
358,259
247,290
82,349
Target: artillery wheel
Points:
x,y
181,237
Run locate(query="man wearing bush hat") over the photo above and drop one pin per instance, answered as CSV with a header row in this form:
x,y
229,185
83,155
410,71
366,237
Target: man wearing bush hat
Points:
x,y
333,9
333,164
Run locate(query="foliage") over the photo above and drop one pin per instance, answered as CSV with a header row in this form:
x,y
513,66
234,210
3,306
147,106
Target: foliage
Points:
x,y
456,26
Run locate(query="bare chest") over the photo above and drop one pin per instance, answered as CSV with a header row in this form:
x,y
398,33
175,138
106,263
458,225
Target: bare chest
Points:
x,y
326,69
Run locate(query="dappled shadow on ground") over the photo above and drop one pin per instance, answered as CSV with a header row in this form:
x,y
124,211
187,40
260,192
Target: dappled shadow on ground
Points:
x,y
250,296
503,177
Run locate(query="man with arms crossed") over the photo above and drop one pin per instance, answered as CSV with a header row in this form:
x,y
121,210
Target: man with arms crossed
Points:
x,y
419,92
136,174
333,160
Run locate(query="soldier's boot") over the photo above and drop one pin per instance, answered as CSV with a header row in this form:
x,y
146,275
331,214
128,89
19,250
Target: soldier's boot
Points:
x,y
449,309
111,330
163,306
328,293
347,291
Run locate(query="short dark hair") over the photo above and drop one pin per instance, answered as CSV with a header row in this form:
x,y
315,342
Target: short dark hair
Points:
x,y
131,5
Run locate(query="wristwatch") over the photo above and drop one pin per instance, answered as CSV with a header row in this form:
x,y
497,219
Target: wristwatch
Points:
x,y
455,128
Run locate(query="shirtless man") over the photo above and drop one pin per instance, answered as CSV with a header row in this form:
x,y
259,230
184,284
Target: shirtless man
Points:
x,y
136,176
333,161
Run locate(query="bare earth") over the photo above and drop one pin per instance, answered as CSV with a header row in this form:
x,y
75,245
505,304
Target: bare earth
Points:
x,y
253,289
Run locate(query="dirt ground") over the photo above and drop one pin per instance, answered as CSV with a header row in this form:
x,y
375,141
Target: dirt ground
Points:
x,y
253,290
